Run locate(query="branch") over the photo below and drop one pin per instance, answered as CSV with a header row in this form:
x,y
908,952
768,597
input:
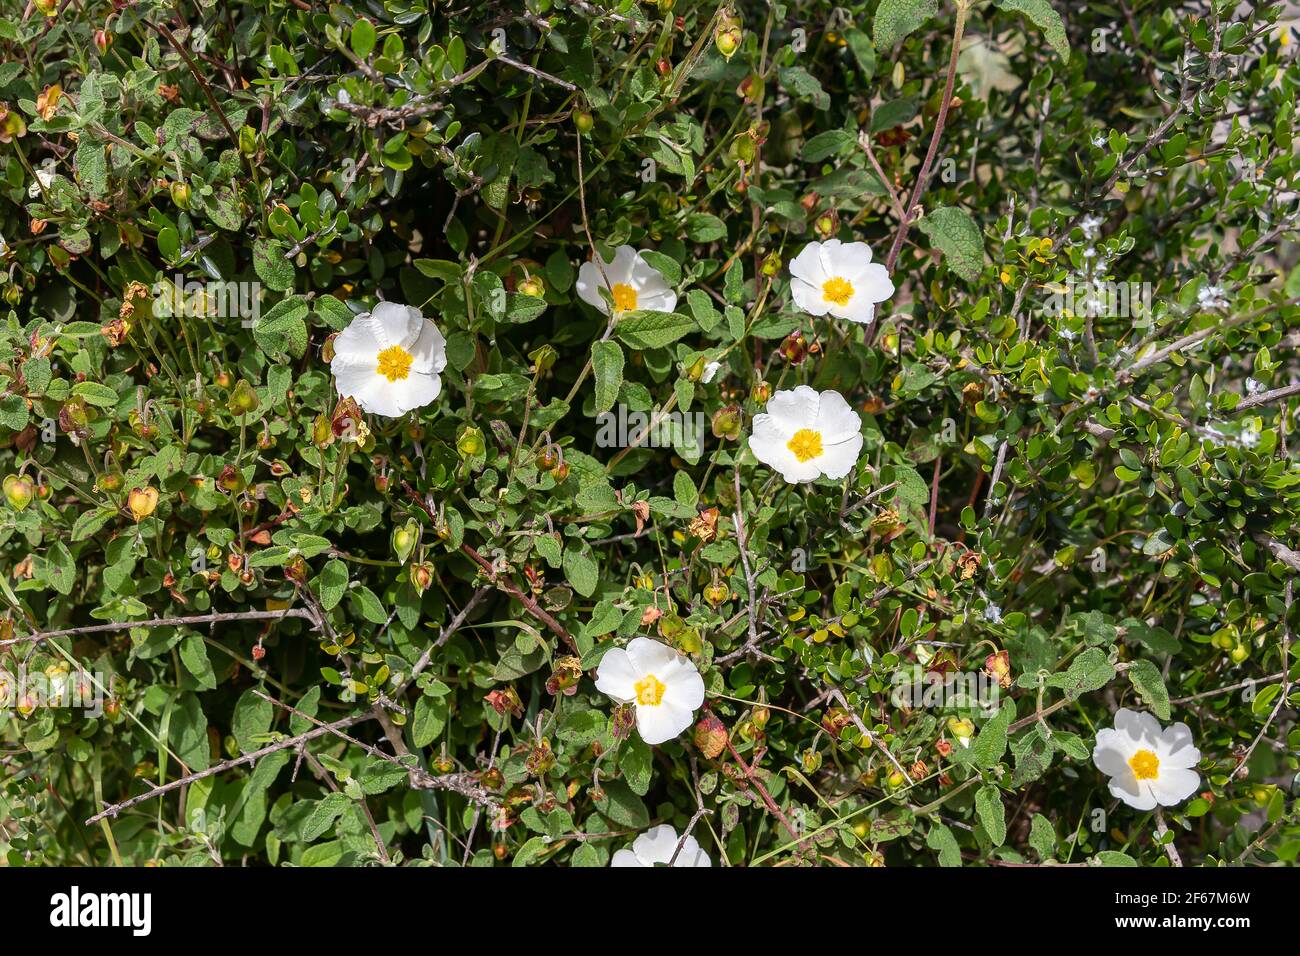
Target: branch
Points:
x,y
1268,398
214,618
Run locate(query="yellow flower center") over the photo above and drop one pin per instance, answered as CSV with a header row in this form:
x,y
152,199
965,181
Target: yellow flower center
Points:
x,y
624,297
1145,764
649,690
837,290
394,363
806,444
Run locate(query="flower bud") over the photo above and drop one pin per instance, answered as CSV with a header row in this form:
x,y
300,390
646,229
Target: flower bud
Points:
x,y
726,422
141,502
710,736
727,36
794,348
469,442
19,491
584,121
771,266
243,399
760,393
231,479
421,576
102,39
181,195
533,286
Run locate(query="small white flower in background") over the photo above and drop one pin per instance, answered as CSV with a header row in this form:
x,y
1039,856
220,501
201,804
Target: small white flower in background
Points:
x,y
1099,140
806,434
388,360
4,247
1250,436
657,845
839,278
1212,297
664,686
1253,386
1091,226
633,284
1147,765
710,372
993,614
44,179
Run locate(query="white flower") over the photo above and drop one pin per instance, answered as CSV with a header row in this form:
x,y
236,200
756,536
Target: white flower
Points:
x,y
839,278
1091,226
805,434
663,686
4,247
657,845
710,372
1147,765
632,283
1252,385
1211,297
389,360
44,179
993,614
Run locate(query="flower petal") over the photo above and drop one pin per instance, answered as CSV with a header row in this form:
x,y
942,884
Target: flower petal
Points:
x,y
836,419
616,676
1174,785
429,351
625,858
660,724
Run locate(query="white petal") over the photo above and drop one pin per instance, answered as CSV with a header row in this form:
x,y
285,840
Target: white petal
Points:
x,y
808,266
655,845
1176,748
625,858
873,283
795,408
664,301
589,284
401,323
364,338
616,676
838,460
1112,752
847,258
683,685
649,656
371,391
808,297
1140,728
836,419
859,310
415,391
662,723
692,854
1174,785
623,268
1126,787
429,351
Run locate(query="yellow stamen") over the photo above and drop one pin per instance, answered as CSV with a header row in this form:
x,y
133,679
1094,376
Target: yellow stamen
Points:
x,y
837,290
806,444
624,297
649,691
1145,764
394,363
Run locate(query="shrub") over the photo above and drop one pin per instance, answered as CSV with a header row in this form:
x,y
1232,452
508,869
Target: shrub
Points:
x,y
1055,482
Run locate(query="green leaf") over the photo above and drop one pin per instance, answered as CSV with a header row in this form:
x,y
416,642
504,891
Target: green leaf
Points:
x,y
271,266
895,19
1091,670
991,742
991,813
622,807
252,718
194,655
826,144
636,760
1146,680
1042,837
95,394
60,570
323,814
941,839
652,330
607,364
953,232
581,570
363,37
430,719
1045,17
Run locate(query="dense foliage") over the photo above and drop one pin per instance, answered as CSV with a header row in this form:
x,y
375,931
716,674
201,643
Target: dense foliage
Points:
x,y
402,618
